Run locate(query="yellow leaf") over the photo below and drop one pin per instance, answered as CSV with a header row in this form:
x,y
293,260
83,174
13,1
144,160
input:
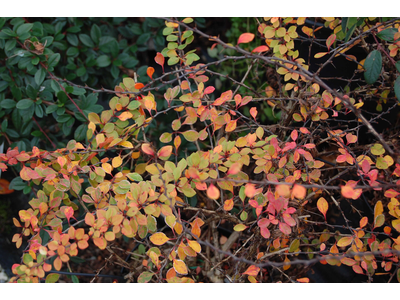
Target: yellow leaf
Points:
x,y
159,239
180,267
378,210
126,144
116,161
345,241
239,227
195,246
107,168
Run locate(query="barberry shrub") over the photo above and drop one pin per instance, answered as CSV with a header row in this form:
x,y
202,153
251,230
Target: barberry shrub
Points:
x,y
220,197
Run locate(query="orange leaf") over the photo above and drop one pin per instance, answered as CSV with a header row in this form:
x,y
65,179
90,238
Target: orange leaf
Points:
x,y
322,205
234,169
349,192
378,209
253,112
213,192
159,59
125,116
180,267
228,204
299,191
283,190
304,280
69,212
245,38
252,271
150,72
159,238
231,126
225,96
363,222
139,85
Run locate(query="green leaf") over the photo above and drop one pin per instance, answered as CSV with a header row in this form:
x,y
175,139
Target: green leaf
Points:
x,y
62,96
86,40
51,108
52,278
387,34
103,61
80,132
172,61
3,85
39,111
78,91
191,135
17,184
397,88
24,28
24,103
12,133
10,44
74,29
9,32
398,66
145,277
53,59
40,75
294,246
72,51
74,279
95,33
373,66
135,177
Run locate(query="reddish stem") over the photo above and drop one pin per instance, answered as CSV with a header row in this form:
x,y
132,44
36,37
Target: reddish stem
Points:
x,y
69,97
40,128
383,50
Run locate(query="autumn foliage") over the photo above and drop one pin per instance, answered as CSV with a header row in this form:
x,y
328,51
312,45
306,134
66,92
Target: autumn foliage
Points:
x,y
220,196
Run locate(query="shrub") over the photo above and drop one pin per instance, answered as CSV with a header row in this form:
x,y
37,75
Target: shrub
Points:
x,y
220,196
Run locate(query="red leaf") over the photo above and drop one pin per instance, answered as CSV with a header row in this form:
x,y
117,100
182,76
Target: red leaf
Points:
x,y
294,135
330,40
284,228
245,38
160,60
146,148
209,90
260,49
